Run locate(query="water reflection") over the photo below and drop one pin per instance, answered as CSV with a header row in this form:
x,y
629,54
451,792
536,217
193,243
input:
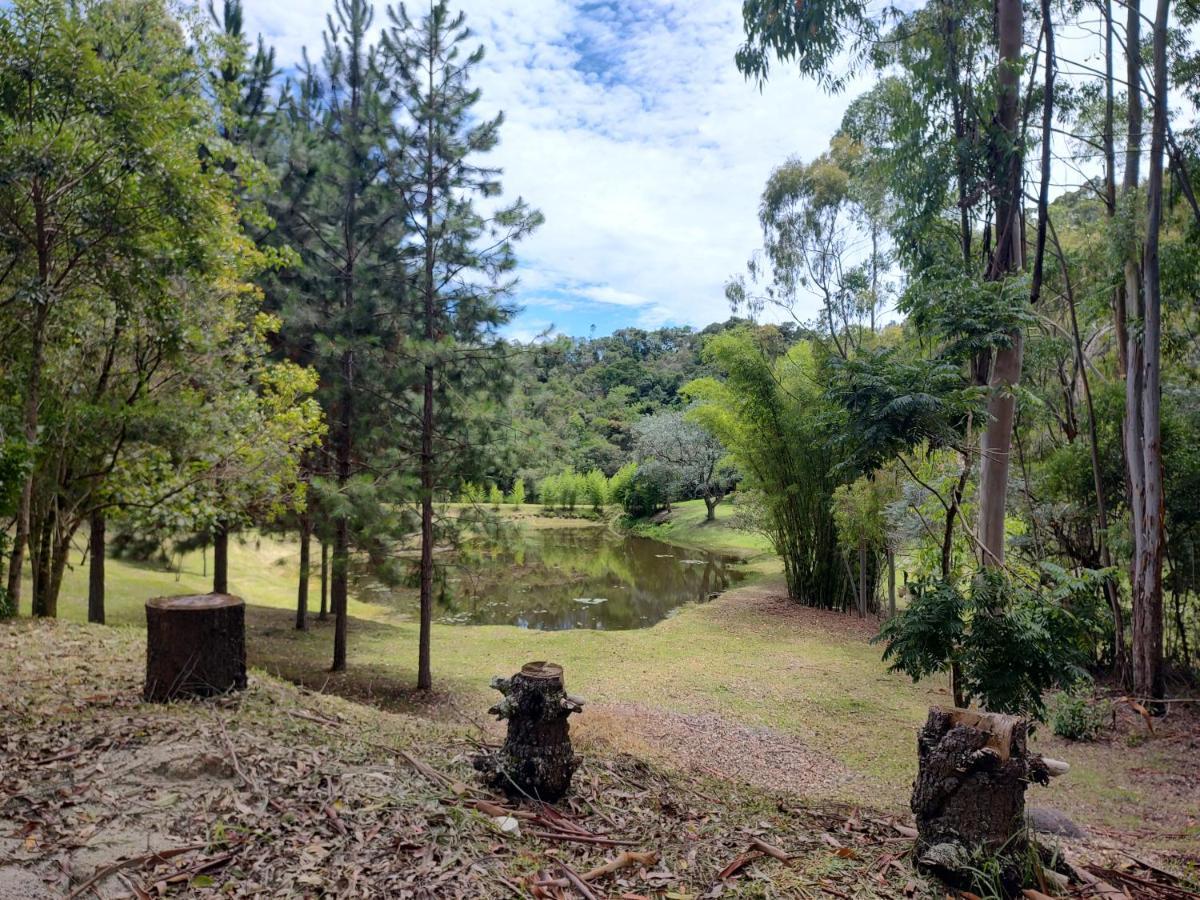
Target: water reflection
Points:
x,y
554,579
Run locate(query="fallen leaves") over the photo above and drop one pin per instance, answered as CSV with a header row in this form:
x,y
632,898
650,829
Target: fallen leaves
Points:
x,y
282,794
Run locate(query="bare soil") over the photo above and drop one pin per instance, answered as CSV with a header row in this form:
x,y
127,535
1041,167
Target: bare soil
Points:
x,y
278,792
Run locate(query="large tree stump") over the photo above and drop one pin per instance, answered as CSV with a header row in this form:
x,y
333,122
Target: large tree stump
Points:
x,y
195,646
536,760
969,796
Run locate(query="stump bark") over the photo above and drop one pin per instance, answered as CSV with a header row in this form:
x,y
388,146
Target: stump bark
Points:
x,y
969,796
536,759
195,646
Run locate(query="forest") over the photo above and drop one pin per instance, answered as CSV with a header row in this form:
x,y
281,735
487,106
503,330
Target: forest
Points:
x,y
840,579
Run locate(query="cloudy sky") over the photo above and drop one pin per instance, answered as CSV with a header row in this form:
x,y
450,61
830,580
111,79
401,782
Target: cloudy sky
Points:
x,y
629,126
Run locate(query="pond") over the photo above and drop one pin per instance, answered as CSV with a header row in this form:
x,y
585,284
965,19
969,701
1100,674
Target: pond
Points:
x,y
559,578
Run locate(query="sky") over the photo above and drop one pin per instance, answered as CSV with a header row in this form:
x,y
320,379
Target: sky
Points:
x,y
630,128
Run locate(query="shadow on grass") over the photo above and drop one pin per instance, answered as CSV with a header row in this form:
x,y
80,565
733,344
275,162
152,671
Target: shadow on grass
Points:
x,y
303,658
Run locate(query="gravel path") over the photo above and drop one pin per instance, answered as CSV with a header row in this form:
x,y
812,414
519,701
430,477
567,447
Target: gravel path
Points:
x,y
763,757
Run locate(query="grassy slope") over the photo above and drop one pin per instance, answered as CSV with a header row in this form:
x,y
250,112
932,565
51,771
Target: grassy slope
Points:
x,y
348,815
752,662
688,527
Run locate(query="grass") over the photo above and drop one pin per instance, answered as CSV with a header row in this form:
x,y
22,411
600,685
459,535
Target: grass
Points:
x,y
687,526
290,793
749,657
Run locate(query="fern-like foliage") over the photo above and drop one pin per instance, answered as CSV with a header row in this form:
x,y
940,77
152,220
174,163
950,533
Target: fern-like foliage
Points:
x,y
1011,643
892,405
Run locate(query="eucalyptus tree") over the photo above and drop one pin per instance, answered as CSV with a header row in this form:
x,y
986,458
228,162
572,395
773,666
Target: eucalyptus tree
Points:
x,y
1143,389
823,231
814,34
458,253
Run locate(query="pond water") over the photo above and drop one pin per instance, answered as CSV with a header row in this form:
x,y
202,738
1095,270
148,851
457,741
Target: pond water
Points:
x,y
559,578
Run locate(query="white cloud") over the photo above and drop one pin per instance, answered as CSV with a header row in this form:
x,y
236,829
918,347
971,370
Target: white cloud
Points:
x,y
608,294
629,126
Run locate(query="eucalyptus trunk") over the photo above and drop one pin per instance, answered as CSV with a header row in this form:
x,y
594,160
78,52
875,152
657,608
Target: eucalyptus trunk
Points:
x,y
1007,259
1143,438
32,402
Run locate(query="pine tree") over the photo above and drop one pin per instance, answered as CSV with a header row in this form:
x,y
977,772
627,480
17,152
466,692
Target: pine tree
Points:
x,y
459,256
338,151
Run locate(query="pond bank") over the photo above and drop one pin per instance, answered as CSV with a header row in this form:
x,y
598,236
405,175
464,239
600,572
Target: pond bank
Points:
x,y
755,672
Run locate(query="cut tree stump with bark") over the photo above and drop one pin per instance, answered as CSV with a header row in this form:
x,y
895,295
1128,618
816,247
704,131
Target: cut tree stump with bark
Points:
x,y
969,796
195,646
536,760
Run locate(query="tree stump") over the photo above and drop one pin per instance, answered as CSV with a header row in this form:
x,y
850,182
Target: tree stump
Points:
x,y
536,760
969,796
195,646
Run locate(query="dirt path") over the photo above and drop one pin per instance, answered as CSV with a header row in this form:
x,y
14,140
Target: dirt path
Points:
x,y
713,745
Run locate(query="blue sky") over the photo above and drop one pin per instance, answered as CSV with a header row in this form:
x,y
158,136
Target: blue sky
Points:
x,y
629,126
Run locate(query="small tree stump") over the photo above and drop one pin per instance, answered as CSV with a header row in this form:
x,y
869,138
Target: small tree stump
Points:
x,y
195,646
536,760
969,796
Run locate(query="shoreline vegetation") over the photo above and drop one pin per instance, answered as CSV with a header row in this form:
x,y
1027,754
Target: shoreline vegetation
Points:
x,y
707,676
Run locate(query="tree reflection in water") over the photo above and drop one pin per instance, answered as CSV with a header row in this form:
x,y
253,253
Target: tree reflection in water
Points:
x,y
560,578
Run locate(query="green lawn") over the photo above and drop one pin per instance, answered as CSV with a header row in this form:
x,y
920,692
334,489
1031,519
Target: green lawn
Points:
x,y
688,527
749,657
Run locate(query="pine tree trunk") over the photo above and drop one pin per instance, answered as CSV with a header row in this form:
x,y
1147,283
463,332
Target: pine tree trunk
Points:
x,y
195,646
339,587
302,584
429,301
220,558
891,560
324,613
536,759
424,665
96,550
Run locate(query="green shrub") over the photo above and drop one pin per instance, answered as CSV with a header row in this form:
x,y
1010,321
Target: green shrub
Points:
x,y
571,486
550,491
619,484
470,493
1009,643
596,489
517,496
650,489
1077,715
495,496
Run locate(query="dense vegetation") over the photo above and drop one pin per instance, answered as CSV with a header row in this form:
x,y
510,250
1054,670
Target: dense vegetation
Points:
x,y
235,299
